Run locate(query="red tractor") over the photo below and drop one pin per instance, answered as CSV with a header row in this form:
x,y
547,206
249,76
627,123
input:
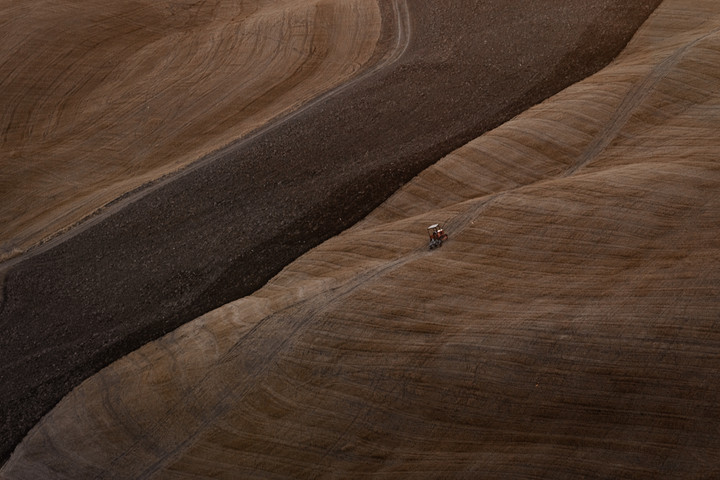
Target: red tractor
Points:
x,y
437,236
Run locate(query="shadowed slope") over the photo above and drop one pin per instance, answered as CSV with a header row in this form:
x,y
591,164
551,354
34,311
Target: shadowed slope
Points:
x,y
168,253
567,329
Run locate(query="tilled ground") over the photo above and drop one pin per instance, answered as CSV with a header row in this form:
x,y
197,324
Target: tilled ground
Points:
x,y
222,231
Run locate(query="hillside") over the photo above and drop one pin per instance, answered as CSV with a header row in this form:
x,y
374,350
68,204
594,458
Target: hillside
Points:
x,y
187,242
567,329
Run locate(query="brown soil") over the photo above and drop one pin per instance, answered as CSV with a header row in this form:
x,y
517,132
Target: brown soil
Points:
x,y
221,231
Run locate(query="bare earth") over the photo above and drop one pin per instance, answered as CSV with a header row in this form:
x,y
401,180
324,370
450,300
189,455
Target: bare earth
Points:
x,y
351,360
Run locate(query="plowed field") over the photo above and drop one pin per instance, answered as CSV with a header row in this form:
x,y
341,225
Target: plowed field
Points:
x,y
576,279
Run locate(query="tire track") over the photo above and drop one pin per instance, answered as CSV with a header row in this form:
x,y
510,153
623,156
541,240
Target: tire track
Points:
x,y
262,344
634,98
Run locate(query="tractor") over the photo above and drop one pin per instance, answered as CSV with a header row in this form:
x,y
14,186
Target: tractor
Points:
x,y
437,236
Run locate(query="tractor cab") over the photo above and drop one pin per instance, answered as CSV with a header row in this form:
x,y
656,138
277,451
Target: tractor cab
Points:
x,y
437,235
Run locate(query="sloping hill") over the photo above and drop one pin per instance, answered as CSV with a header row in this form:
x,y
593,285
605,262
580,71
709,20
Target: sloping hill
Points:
x,y
567,329
174,249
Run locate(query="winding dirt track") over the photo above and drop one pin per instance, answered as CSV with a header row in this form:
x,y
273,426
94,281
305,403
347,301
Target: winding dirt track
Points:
x,y
185,248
